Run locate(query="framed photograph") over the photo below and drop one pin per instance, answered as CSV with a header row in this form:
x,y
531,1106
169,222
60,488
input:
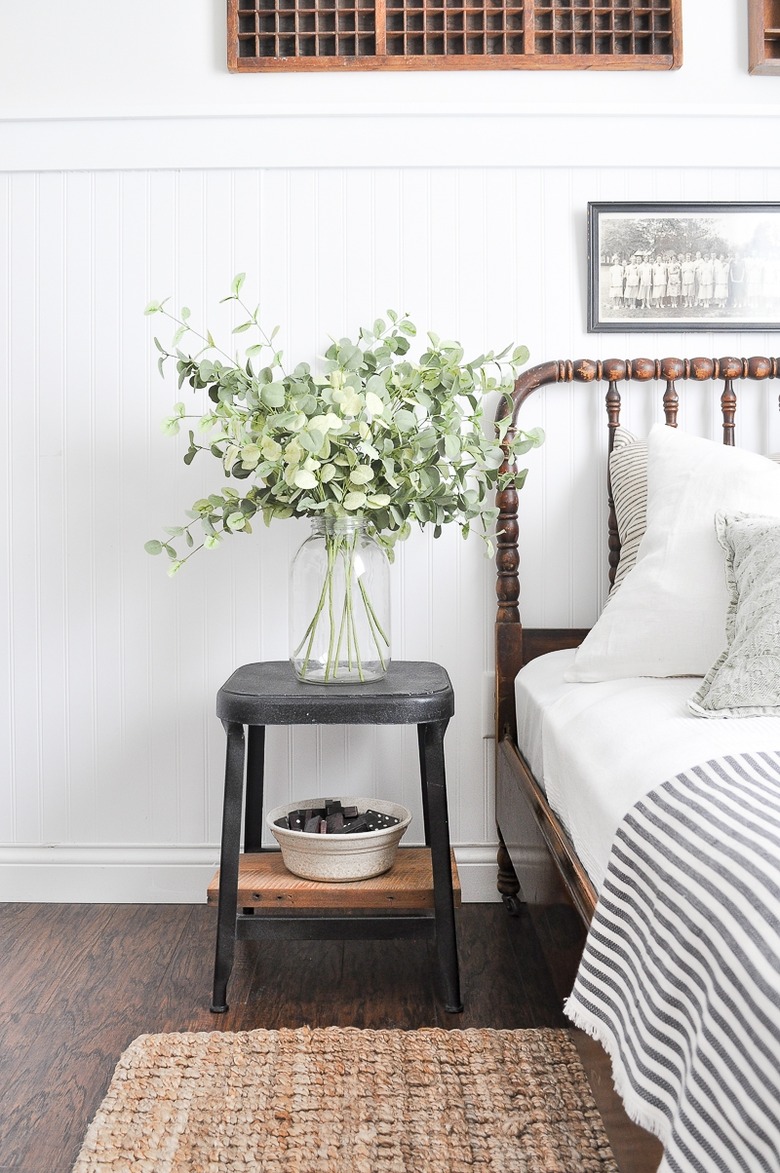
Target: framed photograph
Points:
x,y
683,266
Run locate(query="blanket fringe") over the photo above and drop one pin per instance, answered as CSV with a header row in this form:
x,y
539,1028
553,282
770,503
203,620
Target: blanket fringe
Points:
x,y
653,1122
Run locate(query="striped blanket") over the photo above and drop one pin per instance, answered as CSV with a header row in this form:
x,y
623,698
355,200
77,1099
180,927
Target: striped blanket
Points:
x,y
680,978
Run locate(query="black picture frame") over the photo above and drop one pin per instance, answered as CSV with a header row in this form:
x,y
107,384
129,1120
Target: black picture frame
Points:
x,y
734,248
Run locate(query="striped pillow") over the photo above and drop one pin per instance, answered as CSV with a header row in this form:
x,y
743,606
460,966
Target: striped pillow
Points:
x,y
628,481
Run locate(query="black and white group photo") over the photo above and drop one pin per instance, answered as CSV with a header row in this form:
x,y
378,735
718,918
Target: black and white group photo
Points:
x,y
683,266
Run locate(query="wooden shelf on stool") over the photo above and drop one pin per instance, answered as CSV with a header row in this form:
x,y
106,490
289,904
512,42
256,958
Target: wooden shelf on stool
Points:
x,y
265,883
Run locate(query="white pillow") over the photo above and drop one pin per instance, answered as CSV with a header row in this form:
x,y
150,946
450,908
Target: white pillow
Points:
x,y
669,616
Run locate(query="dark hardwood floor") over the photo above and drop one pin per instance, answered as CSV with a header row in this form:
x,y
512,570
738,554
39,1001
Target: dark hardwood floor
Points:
x,y
79,982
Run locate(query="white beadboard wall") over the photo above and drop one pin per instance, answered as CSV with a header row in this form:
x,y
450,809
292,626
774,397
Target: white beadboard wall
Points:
x,y
133,166
110,777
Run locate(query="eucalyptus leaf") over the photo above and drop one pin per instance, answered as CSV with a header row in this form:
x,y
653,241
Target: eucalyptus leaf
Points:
x,y
272,395
311,440
405,420
494,457
305,479
361,475
428,438
451,446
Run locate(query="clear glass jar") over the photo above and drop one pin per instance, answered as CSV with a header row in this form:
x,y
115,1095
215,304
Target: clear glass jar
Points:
x,y
340,604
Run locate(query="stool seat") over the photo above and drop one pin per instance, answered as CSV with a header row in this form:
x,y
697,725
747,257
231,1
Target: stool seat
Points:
x,y
269,694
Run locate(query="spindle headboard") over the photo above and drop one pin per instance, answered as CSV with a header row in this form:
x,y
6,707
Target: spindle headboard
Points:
x,y
516,645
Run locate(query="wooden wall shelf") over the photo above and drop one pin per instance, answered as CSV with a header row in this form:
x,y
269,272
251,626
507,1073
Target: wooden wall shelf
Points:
x,y
453,34
764,36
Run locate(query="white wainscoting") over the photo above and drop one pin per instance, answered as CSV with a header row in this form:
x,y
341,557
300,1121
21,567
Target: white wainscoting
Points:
x,y
110,754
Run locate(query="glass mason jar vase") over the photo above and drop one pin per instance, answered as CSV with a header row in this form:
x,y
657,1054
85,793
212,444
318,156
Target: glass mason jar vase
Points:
x,y
340,604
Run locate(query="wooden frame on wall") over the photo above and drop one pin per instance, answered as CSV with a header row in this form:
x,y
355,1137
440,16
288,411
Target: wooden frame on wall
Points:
x,y
274,35
764,36
683,266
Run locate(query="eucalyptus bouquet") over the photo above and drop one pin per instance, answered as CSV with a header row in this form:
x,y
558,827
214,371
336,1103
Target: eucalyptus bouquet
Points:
x,y
374,436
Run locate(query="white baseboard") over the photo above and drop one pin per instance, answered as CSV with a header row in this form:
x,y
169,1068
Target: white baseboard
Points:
x,y
122,874
112,874
478,870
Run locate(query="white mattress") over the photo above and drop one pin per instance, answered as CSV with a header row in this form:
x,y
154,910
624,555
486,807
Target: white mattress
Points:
x,y
596,759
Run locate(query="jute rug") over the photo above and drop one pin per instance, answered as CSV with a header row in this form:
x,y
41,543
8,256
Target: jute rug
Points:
x,y
349,1101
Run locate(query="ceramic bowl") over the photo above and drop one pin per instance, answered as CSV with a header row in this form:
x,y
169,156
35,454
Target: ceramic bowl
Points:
x,y
339,858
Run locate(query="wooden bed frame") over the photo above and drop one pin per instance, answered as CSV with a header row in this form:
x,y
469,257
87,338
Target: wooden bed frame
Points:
x,y
524,819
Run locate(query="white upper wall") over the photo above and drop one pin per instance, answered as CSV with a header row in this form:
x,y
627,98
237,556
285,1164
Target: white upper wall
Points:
x,y
85,58
86,87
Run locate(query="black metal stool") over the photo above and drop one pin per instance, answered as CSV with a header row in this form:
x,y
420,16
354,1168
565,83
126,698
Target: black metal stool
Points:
x,y
258,695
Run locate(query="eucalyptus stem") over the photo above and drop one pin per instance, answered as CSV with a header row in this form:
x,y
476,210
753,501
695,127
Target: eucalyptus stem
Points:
x,y
372,618
311,630
332,548
351,628
345,626
358,661
375,630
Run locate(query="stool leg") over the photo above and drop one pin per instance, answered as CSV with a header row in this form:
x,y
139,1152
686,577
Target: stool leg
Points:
x,y
421,736
228,865
253,820
431,738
